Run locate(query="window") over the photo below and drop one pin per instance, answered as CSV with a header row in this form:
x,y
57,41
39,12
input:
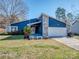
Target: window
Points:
x,y
14,28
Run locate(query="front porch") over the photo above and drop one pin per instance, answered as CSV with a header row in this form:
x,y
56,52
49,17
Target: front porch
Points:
x,y
36,30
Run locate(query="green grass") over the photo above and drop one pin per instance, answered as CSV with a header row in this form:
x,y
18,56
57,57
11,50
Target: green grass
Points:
x,y
42,45
35,49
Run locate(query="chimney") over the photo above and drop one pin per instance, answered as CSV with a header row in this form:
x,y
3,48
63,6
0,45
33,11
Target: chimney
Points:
x,y
45,22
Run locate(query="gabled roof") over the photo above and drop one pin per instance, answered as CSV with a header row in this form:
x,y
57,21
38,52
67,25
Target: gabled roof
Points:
x,y
52,22
36,20
43,14
27,21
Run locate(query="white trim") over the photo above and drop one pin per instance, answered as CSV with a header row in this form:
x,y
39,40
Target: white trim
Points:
x,y
33,23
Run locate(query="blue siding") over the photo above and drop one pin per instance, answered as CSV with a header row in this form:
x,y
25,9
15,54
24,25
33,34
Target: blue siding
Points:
x,y
55,23
22,24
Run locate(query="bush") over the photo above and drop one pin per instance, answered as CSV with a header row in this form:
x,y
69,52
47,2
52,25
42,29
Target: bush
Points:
x,y
27,29
16,33
70,34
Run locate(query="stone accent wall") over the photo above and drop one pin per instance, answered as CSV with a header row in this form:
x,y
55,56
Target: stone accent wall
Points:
x,y
45,25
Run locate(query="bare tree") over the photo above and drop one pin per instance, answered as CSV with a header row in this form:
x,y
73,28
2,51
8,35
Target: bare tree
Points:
x,y
13,10
61,14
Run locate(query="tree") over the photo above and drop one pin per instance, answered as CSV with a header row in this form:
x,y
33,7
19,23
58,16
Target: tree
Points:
x,y
13,10
27,29
77,17
60,14
69,22
70,16
27,32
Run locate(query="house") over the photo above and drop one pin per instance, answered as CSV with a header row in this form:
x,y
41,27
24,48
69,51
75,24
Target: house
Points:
x,y
75,27
44,26
2,30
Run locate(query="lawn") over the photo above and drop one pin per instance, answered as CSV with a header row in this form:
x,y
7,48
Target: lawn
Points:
x,y
35,49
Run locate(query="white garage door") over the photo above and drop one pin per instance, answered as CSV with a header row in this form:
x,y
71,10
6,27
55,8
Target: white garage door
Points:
x,y
57,31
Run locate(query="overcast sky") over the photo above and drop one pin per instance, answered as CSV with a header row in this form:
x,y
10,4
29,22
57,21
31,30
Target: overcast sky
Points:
x,y
36,7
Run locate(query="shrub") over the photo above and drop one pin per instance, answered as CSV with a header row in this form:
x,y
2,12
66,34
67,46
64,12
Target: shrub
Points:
x,y
27,29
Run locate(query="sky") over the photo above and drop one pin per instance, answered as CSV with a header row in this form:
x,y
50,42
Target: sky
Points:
x,y
36,7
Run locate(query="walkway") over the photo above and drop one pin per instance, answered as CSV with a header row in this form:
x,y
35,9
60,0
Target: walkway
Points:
x,y
3,36
71,42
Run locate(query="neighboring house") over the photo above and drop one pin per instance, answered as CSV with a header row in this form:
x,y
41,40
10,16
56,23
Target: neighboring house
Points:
x,y
75,27
44,25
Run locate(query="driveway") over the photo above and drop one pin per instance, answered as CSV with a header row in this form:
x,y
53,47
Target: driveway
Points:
x,y
71,42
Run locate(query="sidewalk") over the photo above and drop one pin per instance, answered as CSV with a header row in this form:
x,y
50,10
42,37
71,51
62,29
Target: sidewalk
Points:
x,y
2,37
71,42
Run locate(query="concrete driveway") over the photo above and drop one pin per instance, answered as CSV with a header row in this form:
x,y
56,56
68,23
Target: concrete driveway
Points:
x,y
71,42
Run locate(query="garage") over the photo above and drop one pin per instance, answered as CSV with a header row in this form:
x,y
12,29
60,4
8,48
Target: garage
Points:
x,y
56,28
57,31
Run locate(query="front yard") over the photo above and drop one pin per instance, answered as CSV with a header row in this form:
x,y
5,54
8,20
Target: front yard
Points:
x,y
35,49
